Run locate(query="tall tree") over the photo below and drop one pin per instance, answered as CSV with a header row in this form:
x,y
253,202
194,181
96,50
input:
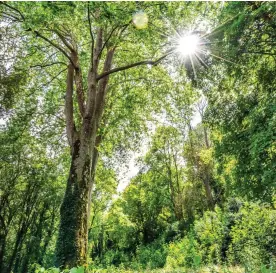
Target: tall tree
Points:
x,y
90,42
60,35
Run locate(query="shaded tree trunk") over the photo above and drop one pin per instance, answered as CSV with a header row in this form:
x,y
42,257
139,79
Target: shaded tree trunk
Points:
x,y
208,190
202,168
2,251
73,232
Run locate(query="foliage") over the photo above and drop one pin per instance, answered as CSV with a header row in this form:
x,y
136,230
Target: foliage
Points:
x,y
253,236
203,197
241,236
184,253
241,110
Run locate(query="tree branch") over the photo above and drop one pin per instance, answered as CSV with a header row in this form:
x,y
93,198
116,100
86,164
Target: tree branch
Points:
x,y
62,38
104,74
18,11
55,77
11,17
54,45
46,65
69,105
92,76
90,30
80,93
106,41
100,100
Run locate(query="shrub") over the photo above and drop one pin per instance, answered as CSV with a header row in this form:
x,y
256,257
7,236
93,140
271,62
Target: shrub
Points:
x,y
184,253
253,236
152,256
114,257
244,234
210,231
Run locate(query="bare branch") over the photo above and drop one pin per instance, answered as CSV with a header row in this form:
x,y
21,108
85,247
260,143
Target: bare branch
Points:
x,y
124,27
65,42
103,87
92,36
104,74
92,75
55,77
90,26
11,16
107,40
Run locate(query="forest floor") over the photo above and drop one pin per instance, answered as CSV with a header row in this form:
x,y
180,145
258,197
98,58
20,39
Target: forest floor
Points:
x,y
212,269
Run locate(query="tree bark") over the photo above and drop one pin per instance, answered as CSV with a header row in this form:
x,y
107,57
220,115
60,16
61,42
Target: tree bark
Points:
x,y
73,232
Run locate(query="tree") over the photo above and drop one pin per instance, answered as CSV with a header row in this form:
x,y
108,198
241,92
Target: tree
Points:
x,y
54,42
31,189
52,28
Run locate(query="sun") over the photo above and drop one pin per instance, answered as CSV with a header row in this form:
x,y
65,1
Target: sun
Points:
x,y
187,45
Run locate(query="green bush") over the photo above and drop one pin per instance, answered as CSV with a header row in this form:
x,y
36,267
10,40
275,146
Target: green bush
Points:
x,y
184,253
115,258
152,256
245,235
253,237
210,231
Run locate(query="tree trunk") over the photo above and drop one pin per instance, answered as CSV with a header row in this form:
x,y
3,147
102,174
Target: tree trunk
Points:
x,y
203,169
208,190
2,251
73,232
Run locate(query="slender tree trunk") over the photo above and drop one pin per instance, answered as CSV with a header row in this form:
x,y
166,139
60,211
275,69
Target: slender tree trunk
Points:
x,y
49,233
202,169
16,249
208,190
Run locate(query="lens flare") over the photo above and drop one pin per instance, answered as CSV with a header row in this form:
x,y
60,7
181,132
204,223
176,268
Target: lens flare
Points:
x,y
140,20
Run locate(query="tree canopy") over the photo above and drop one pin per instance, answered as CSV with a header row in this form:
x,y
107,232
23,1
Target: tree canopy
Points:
x,y
186,90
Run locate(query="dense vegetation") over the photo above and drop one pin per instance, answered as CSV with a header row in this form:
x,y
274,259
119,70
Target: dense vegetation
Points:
x,y
88,88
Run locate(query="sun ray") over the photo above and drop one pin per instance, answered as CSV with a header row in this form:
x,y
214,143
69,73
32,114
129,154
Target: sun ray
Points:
x,y
201,61
216,56
219,28
193,67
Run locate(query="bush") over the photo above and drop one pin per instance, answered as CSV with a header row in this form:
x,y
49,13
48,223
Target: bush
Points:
x,y
184,253
210,232
114,258
253,237
244,234
152,256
